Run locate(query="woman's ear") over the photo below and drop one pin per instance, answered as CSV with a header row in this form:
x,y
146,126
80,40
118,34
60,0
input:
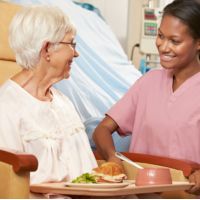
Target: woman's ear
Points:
x,y
198,45
45,50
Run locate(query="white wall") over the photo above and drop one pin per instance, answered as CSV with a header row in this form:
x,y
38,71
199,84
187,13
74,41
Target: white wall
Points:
x,y
115,13
163,3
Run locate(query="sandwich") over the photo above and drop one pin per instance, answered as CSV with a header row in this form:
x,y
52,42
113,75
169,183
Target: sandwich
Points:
x,y
109,172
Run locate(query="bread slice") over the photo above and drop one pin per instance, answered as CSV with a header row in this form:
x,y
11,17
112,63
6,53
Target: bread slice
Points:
x,y
109,172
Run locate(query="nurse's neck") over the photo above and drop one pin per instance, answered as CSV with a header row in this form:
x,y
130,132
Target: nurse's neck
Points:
x,y
180,76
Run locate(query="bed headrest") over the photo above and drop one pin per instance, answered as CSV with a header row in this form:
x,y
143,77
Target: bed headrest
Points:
x,y
7,12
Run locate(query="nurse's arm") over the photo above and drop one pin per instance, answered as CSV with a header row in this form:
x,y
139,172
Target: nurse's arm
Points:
x,y
102,137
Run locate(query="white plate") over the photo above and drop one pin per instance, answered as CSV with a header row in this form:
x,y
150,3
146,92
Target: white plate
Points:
x,y
101,185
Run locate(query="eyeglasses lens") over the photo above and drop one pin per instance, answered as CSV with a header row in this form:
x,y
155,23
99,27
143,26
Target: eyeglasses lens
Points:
x,y
74,46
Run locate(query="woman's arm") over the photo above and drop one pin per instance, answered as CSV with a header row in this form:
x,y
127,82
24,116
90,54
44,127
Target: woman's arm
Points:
x,y
102,137
9,129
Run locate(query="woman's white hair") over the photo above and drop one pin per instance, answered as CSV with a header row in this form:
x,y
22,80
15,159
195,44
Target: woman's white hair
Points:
x,y
31,26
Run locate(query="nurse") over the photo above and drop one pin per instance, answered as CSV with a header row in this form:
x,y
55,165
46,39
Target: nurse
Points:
x,y
162,109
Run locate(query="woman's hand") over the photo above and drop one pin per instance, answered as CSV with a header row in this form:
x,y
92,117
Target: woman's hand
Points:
x,y
195,178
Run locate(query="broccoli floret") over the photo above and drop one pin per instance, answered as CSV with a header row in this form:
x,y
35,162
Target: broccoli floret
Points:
x,y
85,178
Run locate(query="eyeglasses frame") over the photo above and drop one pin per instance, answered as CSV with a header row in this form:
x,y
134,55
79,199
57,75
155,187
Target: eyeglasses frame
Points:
x,y
73,45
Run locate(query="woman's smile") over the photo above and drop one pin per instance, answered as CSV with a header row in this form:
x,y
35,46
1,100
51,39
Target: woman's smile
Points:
x,y
70,63
166,57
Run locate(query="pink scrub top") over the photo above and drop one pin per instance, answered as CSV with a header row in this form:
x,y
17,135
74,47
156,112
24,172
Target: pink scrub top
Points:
x,y
161,122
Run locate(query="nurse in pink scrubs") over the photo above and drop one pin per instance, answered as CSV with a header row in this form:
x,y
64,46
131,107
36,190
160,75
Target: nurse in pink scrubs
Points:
x,y
162,109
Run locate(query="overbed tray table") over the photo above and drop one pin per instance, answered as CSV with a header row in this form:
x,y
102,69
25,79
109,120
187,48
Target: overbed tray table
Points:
x,y
61,188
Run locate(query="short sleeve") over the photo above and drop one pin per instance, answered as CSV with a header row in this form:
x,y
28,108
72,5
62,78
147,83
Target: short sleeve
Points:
x,y
123,112
9,130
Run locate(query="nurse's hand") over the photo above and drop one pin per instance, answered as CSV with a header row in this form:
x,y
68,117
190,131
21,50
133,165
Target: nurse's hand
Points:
x,y
195,178
115,160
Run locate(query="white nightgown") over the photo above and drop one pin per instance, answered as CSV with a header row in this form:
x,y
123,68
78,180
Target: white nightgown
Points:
x,y
52,131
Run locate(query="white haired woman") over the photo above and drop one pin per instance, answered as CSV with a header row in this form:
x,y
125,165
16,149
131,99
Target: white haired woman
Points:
x,y
34,117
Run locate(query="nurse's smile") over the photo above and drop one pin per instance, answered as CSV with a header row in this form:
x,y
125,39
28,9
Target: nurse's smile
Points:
x,y
166,57
176,46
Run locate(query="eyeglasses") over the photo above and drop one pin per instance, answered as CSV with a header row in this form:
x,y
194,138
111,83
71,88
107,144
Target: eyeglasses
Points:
x,y
73,45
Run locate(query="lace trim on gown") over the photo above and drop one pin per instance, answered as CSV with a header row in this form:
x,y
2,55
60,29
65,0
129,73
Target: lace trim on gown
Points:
x,y
53,135
53,120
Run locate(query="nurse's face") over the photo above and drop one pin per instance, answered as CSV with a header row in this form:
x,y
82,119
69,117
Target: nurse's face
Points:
x,y
176,46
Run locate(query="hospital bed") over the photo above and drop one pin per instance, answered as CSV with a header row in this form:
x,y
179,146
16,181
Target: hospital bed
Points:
x,y
90,7
102,62
101,74
15,166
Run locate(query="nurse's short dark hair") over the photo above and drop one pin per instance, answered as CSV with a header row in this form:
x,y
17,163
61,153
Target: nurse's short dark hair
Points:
x,y
188,12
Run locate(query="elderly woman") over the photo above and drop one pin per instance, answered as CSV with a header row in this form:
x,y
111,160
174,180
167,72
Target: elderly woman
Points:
x,y
161,111
34,117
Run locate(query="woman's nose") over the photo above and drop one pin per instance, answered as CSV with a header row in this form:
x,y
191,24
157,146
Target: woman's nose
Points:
x,y
76,54
164,46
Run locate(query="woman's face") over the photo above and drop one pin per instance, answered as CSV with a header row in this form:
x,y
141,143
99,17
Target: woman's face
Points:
x,y
62,59
176,46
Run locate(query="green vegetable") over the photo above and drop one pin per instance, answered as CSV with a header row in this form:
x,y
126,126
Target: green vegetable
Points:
x,y
85,178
